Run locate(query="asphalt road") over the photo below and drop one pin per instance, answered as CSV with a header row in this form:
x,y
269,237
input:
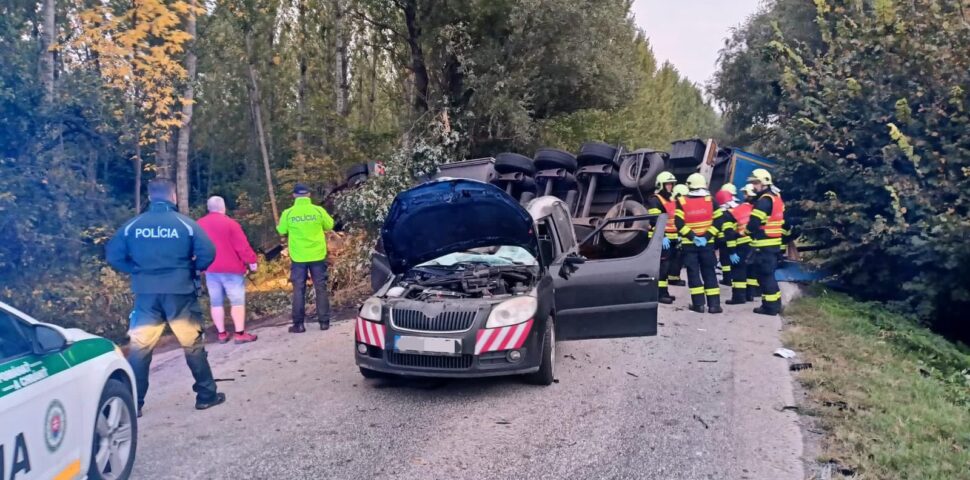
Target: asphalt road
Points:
x,y
702,400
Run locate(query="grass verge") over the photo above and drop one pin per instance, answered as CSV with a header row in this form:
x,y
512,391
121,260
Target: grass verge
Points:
x,y
892,396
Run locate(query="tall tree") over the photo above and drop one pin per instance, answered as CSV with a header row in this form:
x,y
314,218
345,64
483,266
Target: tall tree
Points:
x,y
188,99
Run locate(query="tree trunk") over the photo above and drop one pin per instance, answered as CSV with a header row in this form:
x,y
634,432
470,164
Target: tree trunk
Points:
x,y
164,158
185,130
258,121
137,161
301,95
419,69
341,80
372,97
47,38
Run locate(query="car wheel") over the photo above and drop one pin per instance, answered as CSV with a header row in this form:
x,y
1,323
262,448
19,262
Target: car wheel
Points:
x,y
372,374
547,368
355,170
631,231
514,163
115,436
549,158
651,166
596,153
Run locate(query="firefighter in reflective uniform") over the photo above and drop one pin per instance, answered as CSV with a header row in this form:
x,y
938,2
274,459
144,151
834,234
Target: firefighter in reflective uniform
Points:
x,y
741,275
662,201
727,234
723,252
754,289
695,224
766,224
677,259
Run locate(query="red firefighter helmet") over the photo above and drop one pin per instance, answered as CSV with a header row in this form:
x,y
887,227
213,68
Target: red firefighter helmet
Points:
x,y
723,197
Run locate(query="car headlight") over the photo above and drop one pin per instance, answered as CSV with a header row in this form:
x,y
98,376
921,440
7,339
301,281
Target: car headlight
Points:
x,y
512,312
371,310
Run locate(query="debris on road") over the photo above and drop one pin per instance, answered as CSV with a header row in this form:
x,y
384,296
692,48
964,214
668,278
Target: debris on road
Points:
x,y
799,366
785,353
632,374
699,419
707,361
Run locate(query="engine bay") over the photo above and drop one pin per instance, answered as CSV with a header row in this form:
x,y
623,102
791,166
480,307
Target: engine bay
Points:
x,y
464,280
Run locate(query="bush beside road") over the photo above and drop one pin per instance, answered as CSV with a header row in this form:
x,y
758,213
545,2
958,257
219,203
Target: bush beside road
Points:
x,y
893,397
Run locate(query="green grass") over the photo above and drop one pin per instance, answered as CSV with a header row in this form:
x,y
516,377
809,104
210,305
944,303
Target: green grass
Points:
x,y
892,396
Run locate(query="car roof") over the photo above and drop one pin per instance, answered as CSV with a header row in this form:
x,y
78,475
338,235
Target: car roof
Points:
x,y
541,207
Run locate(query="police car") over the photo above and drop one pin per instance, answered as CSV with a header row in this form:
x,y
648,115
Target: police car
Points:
x,y
66,403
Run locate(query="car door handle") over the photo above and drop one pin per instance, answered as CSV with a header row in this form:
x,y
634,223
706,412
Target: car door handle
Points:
x,y
644,279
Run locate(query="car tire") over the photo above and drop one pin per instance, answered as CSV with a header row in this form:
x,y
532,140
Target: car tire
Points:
x,y
514,163
108,431
650,168
353,171
372,374
626,208
549,158
596,153
547,367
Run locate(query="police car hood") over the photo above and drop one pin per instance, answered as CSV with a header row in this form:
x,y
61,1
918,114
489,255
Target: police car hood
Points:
x,y
76,334
453,215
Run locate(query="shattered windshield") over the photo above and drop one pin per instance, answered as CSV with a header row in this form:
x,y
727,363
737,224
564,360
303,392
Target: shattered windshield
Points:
x,y
497,256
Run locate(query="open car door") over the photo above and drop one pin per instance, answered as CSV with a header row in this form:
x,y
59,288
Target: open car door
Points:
x,y
608,298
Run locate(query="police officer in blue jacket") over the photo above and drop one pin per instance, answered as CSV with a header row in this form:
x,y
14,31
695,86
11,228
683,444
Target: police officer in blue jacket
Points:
x,y
163,251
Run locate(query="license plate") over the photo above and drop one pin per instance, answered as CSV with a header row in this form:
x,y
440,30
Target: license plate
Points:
x,y
427,345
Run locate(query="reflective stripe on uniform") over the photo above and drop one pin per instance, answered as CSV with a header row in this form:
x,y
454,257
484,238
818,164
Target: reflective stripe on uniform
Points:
x,y
766,242
771,297
753,282
697,290
710,292
663,284
739,284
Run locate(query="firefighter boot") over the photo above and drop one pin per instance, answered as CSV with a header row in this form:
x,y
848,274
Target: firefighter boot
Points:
x,y
739,293
665,297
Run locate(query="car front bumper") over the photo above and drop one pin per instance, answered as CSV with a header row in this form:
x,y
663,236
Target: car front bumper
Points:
x,y
484,353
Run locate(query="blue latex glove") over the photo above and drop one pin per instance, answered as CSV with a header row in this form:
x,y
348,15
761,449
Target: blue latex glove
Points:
x,y
700,241
735,258
666,243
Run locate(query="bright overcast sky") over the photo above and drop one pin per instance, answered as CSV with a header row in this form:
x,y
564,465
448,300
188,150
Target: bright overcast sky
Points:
x,y
689,33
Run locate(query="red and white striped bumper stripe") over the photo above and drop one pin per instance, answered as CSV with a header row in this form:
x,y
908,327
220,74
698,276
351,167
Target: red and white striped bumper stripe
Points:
x,y
371,333
503,338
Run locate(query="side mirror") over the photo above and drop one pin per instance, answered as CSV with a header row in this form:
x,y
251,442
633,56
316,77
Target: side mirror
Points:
x,y
48,340
570,264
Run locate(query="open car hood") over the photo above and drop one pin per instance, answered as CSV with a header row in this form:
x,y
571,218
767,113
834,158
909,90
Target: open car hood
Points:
x,y
452,215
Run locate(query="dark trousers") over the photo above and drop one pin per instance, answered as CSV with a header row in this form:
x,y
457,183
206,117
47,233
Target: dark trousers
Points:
x,y
701,275
182,314
722,257
676,263
666,260
765,261
739,274
298,275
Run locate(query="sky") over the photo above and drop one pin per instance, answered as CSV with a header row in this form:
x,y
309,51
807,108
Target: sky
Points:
x,y
689,33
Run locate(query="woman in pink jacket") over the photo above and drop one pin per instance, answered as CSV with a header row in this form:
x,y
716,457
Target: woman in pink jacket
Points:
x,y
226,276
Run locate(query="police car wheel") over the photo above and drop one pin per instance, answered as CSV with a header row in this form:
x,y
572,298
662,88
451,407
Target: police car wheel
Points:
x,y
547,368
115,434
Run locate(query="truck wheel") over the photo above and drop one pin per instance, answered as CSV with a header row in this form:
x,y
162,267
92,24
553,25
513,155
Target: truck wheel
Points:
x,y
514,163
596,153
547,369
630,232
115,437
651,166
372,374
549,158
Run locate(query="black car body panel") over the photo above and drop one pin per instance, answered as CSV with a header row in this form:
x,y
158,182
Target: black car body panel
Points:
x,y
463,214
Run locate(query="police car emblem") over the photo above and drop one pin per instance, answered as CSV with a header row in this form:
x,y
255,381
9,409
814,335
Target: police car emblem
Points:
x,y
54,424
